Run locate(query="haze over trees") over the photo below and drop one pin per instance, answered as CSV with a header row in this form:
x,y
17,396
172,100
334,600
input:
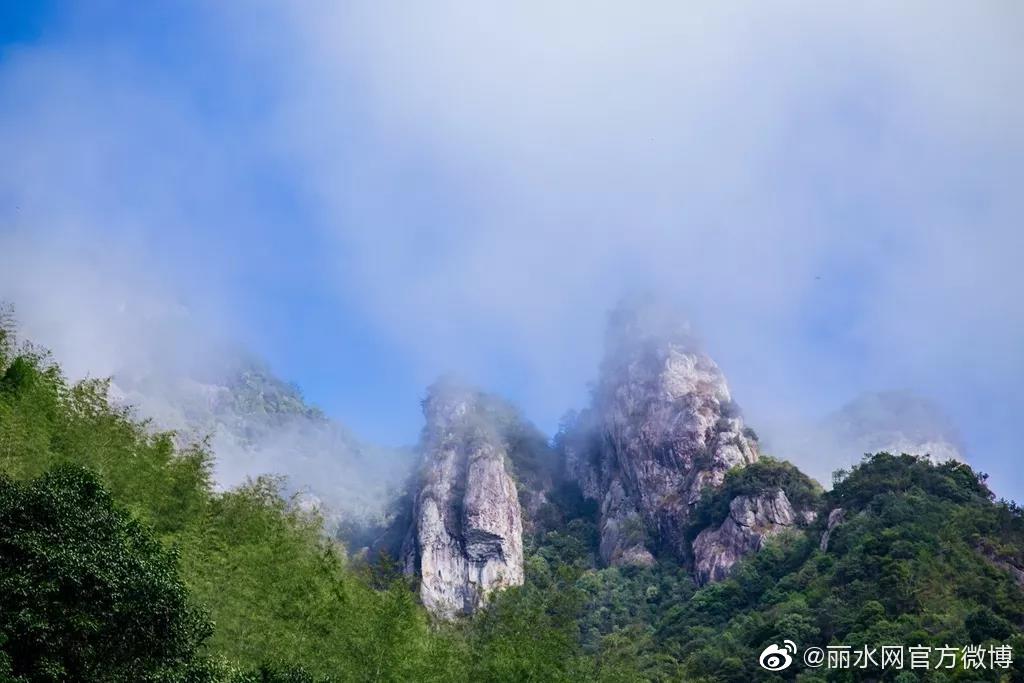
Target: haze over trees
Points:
x,y
119,561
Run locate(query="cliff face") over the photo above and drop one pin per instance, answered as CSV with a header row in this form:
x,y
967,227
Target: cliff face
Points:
x,y
466,538
751,522
662,427
835,518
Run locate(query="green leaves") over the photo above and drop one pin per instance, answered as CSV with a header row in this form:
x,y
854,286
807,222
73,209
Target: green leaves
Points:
x,y
95,512
119,562
282,595
907,566
766,474
86,592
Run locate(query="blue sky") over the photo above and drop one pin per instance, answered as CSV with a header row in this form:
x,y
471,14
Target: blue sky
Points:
x,y
263,266
369,195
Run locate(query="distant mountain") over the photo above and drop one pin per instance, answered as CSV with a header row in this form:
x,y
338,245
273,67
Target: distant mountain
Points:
x,y
890,421
258,424
897,422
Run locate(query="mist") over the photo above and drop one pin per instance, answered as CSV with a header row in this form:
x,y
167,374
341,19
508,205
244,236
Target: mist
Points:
x,y
828,193
101,316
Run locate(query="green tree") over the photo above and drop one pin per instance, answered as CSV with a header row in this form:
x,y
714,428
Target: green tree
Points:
x,y
86,592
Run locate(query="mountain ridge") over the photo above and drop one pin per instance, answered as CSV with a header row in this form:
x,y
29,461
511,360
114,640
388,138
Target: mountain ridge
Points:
x,y
662,433
902,550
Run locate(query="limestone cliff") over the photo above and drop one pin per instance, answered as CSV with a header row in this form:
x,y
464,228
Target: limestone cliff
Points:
x,y
661,427
466,537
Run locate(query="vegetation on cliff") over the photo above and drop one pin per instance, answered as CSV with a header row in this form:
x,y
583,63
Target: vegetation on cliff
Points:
x,y
119,561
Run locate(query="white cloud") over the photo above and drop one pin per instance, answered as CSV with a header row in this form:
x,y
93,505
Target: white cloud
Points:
x,y
516,168
727,153
493,177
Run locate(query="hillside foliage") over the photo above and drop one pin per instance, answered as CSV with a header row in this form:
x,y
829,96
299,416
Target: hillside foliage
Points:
x,y
120,561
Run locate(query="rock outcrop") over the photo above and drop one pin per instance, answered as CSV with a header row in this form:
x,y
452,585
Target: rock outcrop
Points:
x,y
662,429
662,426
751,522
835,518
466,537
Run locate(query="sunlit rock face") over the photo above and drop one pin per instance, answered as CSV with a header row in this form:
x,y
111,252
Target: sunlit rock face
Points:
x,y
661,427
466,539
751,522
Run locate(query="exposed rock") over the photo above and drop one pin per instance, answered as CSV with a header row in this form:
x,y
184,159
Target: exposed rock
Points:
x,y
1016,572
751,522
835,518
993,557
466,539
662,426
637,556
622,533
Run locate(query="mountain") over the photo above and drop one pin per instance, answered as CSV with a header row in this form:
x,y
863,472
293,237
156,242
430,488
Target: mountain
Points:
x,y
667,547
467,540
480,483
258,424
890,421
662,426
660,436
897,422
904,552
506,574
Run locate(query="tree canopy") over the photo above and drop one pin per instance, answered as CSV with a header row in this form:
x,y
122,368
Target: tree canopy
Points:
x,y
119,561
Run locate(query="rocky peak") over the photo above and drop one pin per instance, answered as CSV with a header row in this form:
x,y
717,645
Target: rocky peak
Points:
x,y
661,427
466,537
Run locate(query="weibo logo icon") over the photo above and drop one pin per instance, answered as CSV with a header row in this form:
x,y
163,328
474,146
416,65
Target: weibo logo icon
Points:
x,y
776,658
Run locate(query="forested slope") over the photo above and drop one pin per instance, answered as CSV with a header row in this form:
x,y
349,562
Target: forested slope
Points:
x,y
119,561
